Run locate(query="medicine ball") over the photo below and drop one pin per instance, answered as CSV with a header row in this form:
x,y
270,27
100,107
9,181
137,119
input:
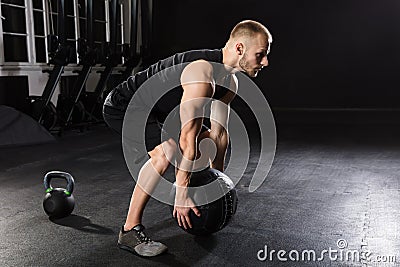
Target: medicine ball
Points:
x,y
217,214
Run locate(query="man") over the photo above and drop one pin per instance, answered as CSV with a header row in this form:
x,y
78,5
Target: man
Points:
x,y
245,51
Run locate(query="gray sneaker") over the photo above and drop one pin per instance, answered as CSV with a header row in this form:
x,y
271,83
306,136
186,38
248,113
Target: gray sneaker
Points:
x,y
136,241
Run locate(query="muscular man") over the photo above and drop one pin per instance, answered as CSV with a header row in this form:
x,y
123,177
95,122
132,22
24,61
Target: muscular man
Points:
x,y
245,51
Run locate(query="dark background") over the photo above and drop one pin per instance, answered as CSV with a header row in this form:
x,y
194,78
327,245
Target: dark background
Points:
x,y
325,54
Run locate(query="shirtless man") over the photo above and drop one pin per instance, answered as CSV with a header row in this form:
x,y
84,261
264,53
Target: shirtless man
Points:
x,y
245,51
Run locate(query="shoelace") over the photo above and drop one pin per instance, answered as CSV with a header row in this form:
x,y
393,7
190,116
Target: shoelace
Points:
x,y
143,237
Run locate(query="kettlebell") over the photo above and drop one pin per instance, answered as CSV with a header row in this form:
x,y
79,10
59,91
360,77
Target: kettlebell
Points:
x,y
58,202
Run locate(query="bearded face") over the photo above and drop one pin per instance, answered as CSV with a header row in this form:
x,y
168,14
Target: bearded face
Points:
x,y
254,56
250,67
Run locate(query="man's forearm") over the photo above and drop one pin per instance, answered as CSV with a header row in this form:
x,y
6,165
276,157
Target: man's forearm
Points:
x,y
185,164
221,141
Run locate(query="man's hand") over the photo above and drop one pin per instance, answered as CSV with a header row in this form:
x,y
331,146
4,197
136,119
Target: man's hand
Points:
x,y
182,207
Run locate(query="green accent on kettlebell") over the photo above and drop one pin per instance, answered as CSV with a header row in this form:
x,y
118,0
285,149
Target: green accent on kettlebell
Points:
x,y
49,190
67,193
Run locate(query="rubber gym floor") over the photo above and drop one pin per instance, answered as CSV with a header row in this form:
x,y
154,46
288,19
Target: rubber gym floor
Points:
x,y
332,187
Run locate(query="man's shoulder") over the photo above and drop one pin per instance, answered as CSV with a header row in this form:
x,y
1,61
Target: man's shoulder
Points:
x,y
210,55
181,59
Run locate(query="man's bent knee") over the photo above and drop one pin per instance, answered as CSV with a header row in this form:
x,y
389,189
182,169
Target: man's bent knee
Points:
x,y
163,154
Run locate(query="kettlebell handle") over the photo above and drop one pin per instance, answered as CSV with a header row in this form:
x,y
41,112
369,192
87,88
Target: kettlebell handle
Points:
x,y
59,174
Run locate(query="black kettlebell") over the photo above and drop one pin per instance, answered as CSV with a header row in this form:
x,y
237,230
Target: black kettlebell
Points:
x,y
58,202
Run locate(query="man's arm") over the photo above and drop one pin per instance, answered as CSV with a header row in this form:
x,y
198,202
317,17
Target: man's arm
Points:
x,y
198,87
197,83
194,98
219,118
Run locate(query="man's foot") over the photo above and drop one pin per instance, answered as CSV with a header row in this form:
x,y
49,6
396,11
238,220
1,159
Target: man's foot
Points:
x,y
136,241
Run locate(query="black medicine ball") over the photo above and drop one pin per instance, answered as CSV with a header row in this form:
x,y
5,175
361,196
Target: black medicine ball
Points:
x,y
217,214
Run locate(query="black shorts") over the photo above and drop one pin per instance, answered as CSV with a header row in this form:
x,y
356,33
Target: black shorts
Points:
x,y
114,117
136,155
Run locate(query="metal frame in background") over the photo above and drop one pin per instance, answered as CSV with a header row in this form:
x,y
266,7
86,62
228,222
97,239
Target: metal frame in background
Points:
x,y
42,108
111,60
131,56
87,54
